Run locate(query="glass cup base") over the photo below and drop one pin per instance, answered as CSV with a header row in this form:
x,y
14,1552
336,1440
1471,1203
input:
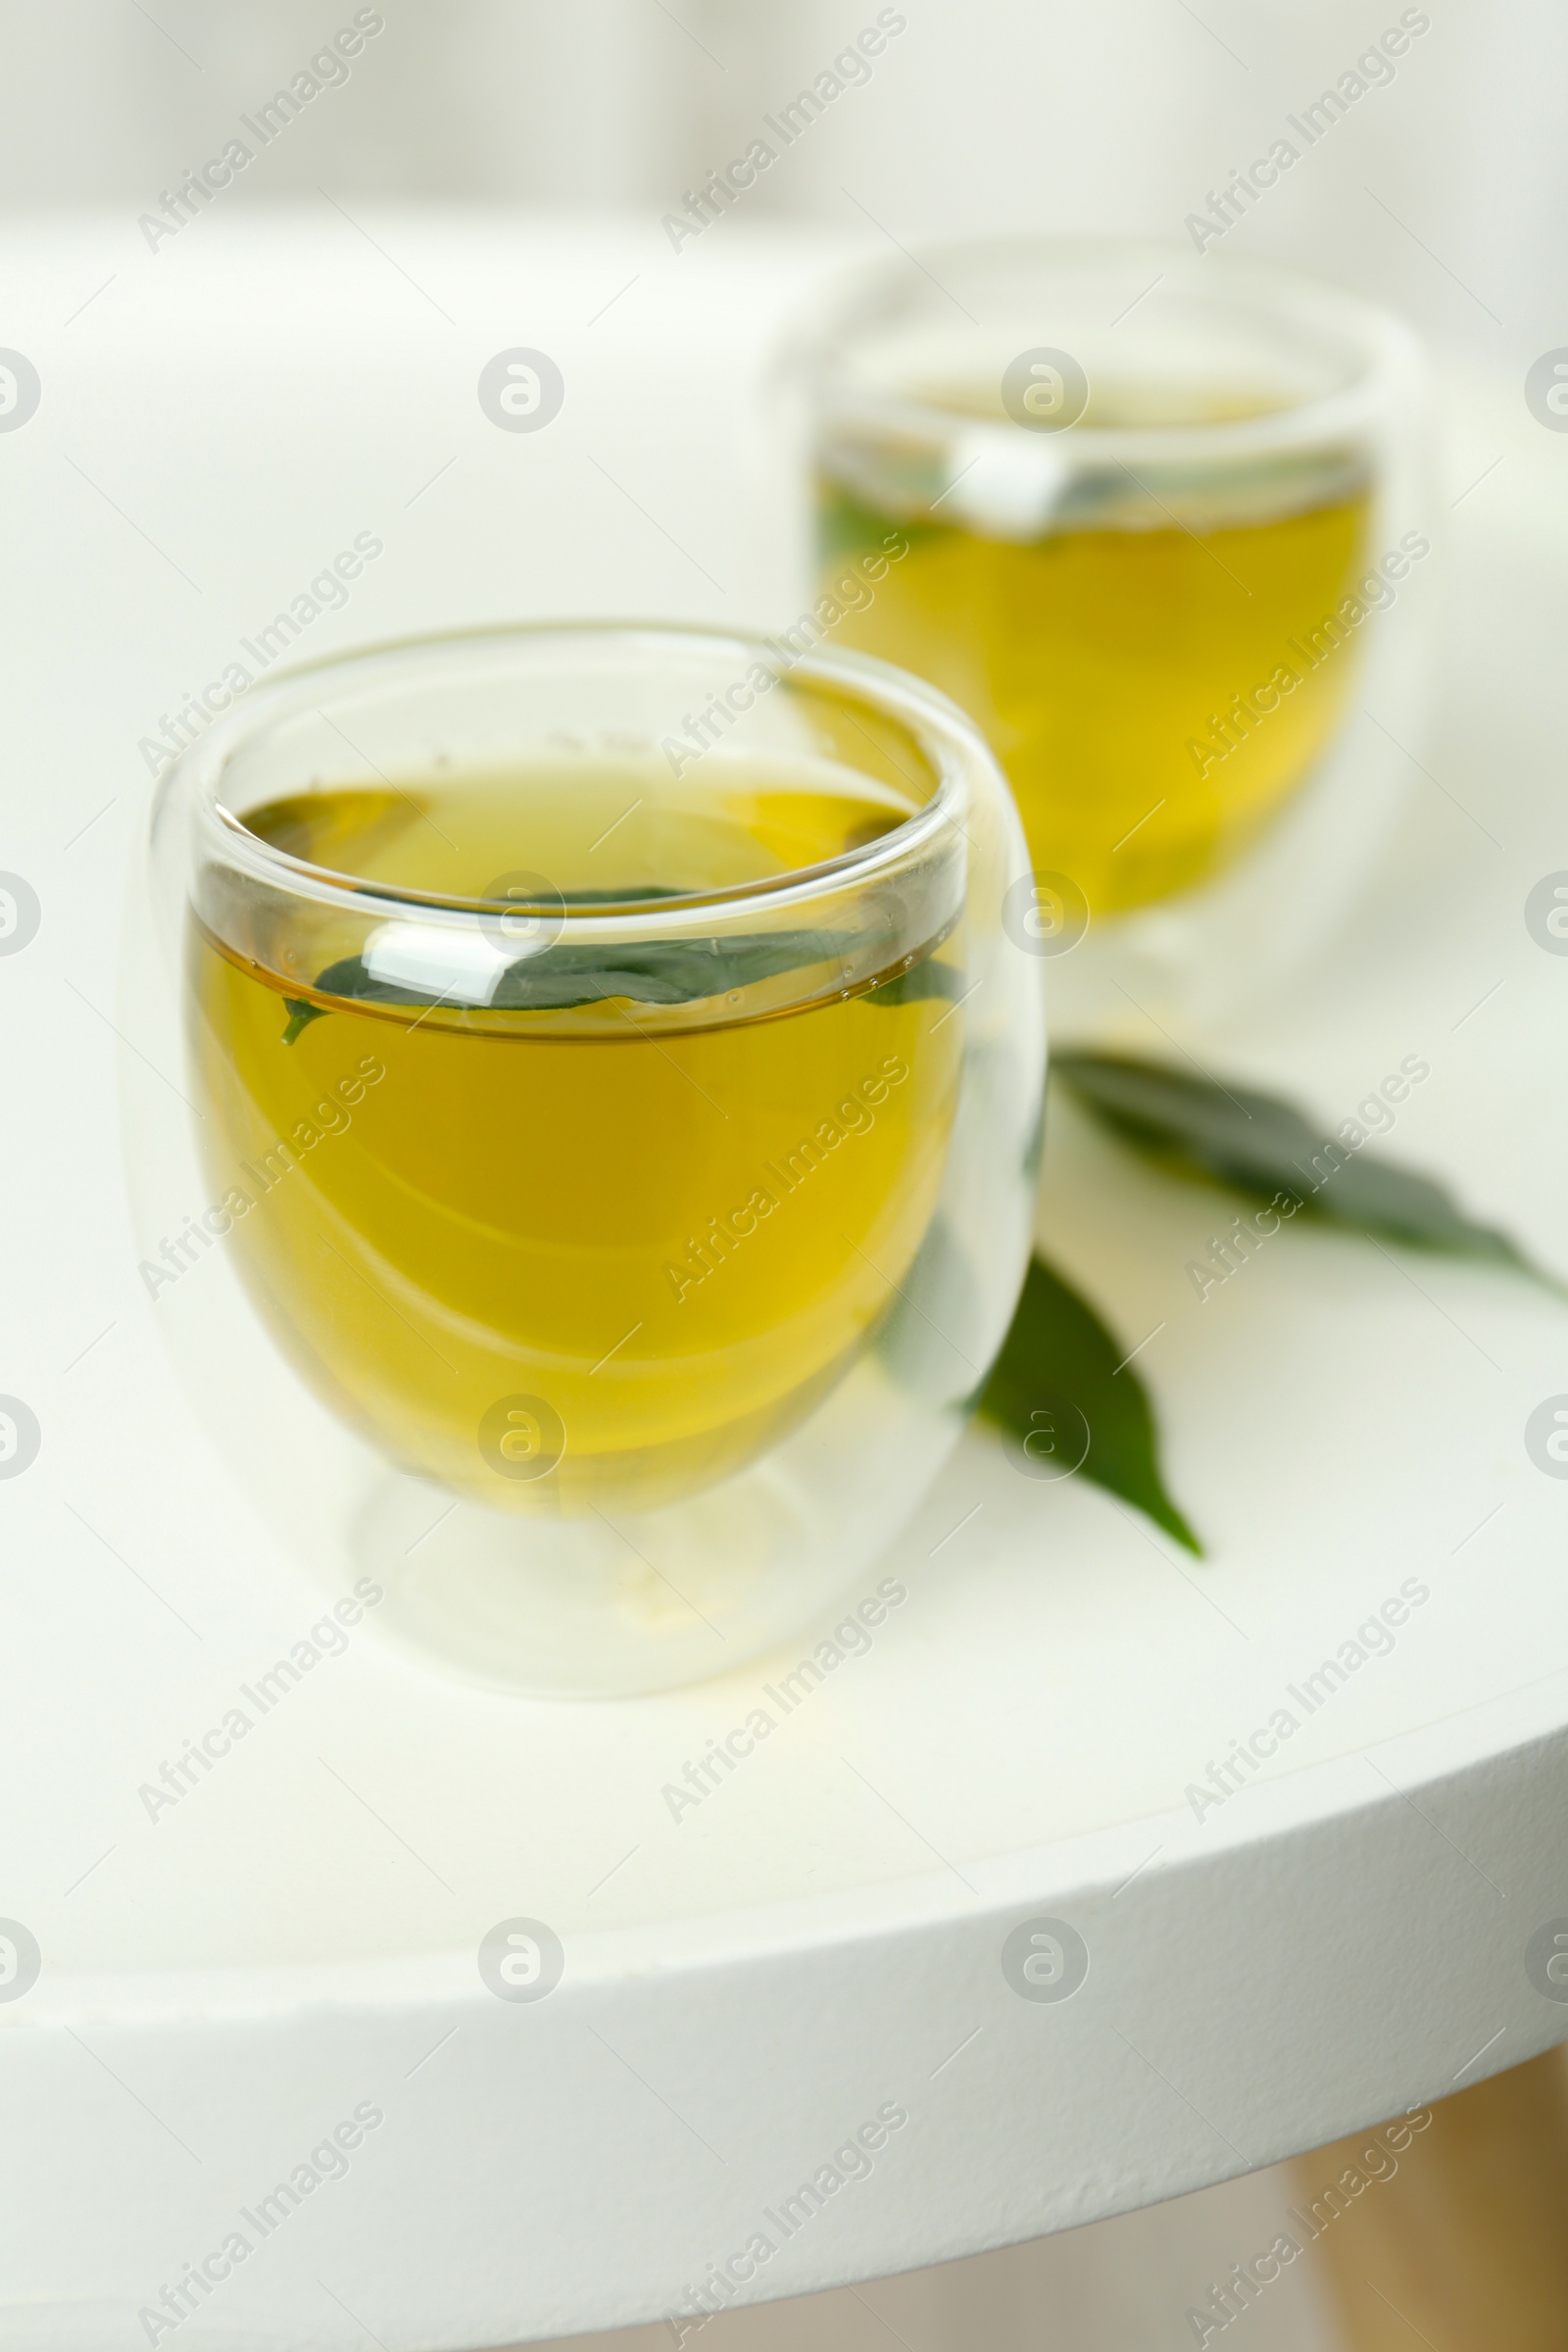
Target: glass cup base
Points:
x,y
597,1608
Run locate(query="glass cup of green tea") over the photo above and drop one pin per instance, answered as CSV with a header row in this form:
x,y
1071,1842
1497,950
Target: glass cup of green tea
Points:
x,y
616,1099
1141,511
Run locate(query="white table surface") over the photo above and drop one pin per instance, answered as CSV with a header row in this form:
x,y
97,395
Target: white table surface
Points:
x,y
748,1984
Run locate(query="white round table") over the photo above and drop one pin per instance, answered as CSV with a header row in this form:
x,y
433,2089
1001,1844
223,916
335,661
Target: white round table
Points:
x,y
794,2011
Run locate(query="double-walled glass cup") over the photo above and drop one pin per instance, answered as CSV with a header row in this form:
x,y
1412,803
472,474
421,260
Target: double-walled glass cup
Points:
x,y
1147,514
616,1079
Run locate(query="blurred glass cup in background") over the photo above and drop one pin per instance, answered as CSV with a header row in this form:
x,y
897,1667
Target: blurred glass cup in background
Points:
x,y
1146,515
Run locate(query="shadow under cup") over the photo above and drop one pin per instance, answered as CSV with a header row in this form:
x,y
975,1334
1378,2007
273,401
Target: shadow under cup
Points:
x,y
616,1095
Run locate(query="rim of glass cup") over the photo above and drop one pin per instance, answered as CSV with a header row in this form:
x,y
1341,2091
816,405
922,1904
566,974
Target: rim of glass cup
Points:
x,y
1387,347
948,738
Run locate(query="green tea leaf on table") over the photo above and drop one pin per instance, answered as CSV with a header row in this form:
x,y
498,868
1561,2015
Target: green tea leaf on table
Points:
x,y
1263,1146
1059,1362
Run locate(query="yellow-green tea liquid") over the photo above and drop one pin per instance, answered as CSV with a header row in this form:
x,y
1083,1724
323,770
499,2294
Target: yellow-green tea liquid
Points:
x,y
676,1237
1099,661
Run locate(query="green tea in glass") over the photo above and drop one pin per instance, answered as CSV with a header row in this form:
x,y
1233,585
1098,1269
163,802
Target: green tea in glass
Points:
x,y
622,1129
1124,504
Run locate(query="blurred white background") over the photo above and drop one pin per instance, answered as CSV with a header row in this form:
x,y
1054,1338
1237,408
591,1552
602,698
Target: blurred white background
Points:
x,y
1443,191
